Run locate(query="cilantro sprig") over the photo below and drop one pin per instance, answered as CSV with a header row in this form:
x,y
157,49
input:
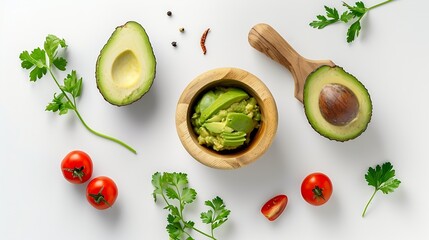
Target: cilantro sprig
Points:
x,y
382,178
46,60
354,12
174,189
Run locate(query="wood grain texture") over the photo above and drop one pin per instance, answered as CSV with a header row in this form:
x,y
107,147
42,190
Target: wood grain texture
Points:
x,y
268,41
229,77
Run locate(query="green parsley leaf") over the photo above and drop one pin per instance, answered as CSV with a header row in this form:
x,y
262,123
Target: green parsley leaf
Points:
x,y
188,195
171,193
174,227
35,60
353,31
157,184
346,16
51,45
382,179
323,21
332,13
60,63
38,65
175,186
356,11
72,84
218,213
60,104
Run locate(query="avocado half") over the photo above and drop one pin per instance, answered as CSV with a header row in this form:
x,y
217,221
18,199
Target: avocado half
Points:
x,y
126,65
337,105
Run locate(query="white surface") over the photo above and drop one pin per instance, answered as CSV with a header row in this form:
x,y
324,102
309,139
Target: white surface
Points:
x,y
390,58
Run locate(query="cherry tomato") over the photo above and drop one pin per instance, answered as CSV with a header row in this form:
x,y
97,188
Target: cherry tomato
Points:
x,y
77,167
316,188
101,192
274,207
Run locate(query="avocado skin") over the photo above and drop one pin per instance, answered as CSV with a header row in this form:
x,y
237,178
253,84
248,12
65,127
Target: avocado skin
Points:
x,y
363,91
100,55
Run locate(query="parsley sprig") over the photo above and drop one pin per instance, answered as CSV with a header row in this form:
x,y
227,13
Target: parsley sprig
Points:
x,y
355,12
382,178
174,190
41,61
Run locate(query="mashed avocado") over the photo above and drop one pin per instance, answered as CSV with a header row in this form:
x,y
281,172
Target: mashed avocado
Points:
x,y
224,118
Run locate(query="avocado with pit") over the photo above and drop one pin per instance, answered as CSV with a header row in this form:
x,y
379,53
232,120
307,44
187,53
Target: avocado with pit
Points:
x,y
126,65
337,104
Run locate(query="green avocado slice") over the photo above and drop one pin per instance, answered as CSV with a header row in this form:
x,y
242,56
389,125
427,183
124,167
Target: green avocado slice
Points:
x,y
206,101
233,142
323,78
126,65
217,127
223,101
240,122
234,135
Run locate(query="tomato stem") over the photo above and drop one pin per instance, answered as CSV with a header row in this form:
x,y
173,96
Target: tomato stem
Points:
x,y
364,211
99,197
76,172
318,193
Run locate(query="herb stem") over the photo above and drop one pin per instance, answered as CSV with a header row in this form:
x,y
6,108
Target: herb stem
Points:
x,y
364,211
183,220
104,135
84,123
380,4
203,233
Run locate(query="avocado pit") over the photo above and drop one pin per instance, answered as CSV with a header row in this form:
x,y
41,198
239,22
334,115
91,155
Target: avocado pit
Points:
x,y
338,104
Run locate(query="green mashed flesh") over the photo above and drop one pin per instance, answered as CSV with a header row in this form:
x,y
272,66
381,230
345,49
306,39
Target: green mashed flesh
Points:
x,y
224,118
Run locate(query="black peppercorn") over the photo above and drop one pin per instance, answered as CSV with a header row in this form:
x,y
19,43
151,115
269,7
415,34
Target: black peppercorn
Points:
x,y
174,44
169,13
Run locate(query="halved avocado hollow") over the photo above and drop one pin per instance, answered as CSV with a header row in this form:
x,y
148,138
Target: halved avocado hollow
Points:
x,y
337,104
126,65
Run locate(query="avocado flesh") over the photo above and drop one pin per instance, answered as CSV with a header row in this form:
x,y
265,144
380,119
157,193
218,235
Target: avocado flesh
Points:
x,y
223,101
126,65
230,115
240,122
315,82
234,135
217,127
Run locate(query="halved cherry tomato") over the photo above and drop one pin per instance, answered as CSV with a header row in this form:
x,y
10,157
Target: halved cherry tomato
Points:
x,y
316,188
101,192
274,207
77,167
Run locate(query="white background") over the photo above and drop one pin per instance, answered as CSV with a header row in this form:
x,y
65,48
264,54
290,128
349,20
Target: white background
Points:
x,y
390,58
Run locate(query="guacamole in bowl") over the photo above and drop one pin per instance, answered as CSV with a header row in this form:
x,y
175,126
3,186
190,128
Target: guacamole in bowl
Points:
x,y
225,117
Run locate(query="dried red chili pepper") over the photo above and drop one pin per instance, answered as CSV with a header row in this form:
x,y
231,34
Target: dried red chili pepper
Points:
x,y
203,41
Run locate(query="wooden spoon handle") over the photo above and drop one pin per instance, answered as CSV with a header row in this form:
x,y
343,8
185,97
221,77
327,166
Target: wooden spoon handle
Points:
x,y
268,41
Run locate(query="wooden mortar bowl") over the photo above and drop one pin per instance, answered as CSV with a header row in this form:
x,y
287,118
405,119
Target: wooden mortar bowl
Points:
x,y
227,77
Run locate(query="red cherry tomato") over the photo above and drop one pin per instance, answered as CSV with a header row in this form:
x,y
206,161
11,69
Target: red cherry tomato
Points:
x,y
316,189
274,207
77,167
101,192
